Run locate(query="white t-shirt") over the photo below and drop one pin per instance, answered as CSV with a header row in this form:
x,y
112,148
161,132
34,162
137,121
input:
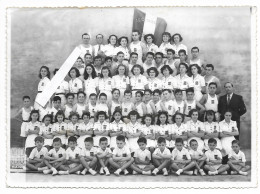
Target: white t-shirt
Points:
x,y
120,82
212,155
64,86
166,151
180,155
107,150
42,84
138,82
240,156
196,153
74,154
120,126
105,84
184,83
57,154
198,82
154,84
229,127
105,126
179,130
211,127
195,127
38,154
164,47
142,154
121,152
169,82
91,152
75,85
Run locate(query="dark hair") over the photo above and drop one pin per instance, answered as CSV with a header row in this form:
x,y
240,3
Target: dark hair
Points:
x,y
127,92
121,65
193,48
120,138
101,113
139,92
123,37
148,115
73,114
185,65
108,40
212,140
32,112
229,110
135,30
100,35
93,94
177,34
85,34
235,142
133,112
159,53
228,83
102,94
93,73
89,139
162,113
146,36
177,113
85,113
87,54
195,65
193,140
152,69
80,59
192,111
55,71
72,139
77,72
56,98
97,57
190,90
39,138
166,67
161,140
148,90
81,92
210,112
60,112
142,140
56,139
179,140
48,72
115,89
102,139
137,66
157,91
167,34
133,53
104,68
171,50
48,116
150,53
26,97
108,58
211,66
116,111
70,94
177,91
182,51
213,83
120,52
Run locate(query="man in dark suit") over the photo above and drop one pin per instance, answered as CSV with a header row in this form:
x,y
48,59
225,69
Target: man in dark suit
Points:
x,y
232,102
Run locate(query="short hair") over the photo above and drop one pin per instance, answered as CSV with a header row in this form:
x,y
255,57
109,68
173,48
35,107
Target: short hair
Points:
x,y
142,140
139,92
148,90
127,92
85,113
48,72
162,113
211,66
210,112
193,140
149,53
157,91
102,139
147,35
197,66
179,140
192,111
108,40
85,34
97,57
182,51
102,113
47,116
159,53
166,67
102,94
195,47
70,94
176,114
93,94
60,112
150,116
133,112
56,139
39,138
120,52
120,138
76,70
93,73
81,92
100,35
55,70
56,98
89,139
26,97
167,34
72,139
123,37
177,34
228,110
32,112
171,50
177,91
228,83
105,68
161,140
213,83
133,53
190,90
87,55
135,30
212,140
108,58
235,142
137,66
153,69
115,89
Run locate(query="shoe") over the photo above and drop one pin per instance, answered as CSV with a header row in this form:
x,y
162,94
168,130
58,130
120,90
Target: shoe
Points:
x,y
107,171
101,171
243,173
224,173
47,171
84,171
78,172
233,172
63,172
54,172
43,168
126,172
147,172
195,172
117,172
155,171
25,168
188,172
93,172
165,172
134,172
202,173
211,173
178,172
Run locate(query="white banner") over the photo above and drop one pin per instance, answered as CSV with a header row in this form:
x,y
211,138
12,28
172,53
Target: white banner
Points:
x,y
149,24
51,87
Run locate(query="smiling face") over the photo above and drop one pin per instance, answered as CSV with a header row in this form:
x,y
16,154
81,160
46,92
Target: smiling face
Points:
x,y
156,97
86,118
138,97
178,119
163,118
194,145
101,118
195,116
166,38
34,117
170,55
137,71
229,88
148,121
103,145
73,73
166,72
121,70
105,73
142,145
149,58
112,40
147,96
89,70
179,146
43,72
88,59
194,70
47,121
81,98
74,119
210,118
85,39
39,144
120,57
56,145
133,118
72,144
117,116
88,145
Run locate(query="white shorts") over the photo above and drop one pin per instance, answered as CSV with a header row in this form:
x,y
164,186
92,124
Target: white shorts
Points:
x,y
216,166
30,141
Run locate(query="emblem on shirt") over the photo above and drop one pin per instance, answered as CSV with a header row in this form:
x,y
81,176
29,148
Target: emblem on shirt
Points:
x,y
49,130
184,157
109,82
62,128
189,107
121,128
60,155
199,129
184,83
196,83
151,130
155,85
75,85
59,87
124,154
35,127
212,101
169,83
104,127
166,132
91,153
42,84
135,50
169,107
216,157
41,156
77,155
139,81
125,109
233,129
124,80
77,128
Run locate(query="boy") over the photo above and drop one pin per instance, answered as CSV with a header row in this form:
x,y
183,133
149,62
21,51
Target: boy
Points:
x,y
181,160
88,157
98,64
127,105
209,77
103,155
137,46
56,106
161,157
214,164
183,58
72,164
195,57
120,61
109,63
167,103
198,157
133,61
55,157
237,160
159,63
88,59
37,156
142,159
121,156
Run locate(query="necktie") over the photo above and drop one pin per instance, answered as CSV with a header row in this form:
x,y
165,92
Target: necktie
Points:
x,y
99,47
228,99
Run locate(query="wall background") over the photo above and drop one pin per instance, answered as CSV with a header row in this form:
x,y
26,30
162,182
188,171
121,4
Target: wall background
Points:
x,y
47,37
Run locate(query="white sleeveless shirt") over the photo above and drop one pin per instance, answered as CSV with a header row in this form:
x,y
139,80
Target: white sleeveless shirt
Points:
x,y
67,111
212,103
114,106
80,109
126,109
178,107
190,106
92,109
137,49
25,114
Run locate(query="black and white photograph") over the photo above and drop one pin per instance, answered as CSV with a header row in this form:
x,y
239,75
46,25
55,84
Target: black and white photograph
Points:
x,y
131,94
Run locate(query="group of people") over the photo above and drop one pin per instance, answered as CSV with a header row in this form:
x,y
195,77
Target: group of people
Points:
x,y
135,106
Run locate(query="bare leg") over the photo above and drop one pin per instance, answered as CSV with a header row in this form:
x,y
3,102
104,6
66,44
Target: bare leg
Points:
x,y
84,163
127,164
223,168
209,168
148,167
76,168
232,166
136,168
189,166
113,163
164,164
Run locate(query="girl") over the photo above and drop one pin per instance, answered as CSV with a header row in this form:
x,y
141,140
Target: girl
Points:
x,y
85,129
86,47
32,131
148,63
127,106
80,106
153,81
140,107
149,40
195,129
104,83
198,81
150,107
101,128
90,80
179,129
109,49
212,130
80,65
60,128
163,129
229,130
148,131
44,75
115,103
117,127
46,131
177,45
168,81
166,39
73,125
138,82
123,42
102,105
75,84
69,106
121,80
133,129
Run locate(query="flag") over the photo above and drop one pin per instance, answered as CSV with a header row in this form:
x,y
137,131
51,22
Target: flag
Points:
x,y
147,23
51,87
